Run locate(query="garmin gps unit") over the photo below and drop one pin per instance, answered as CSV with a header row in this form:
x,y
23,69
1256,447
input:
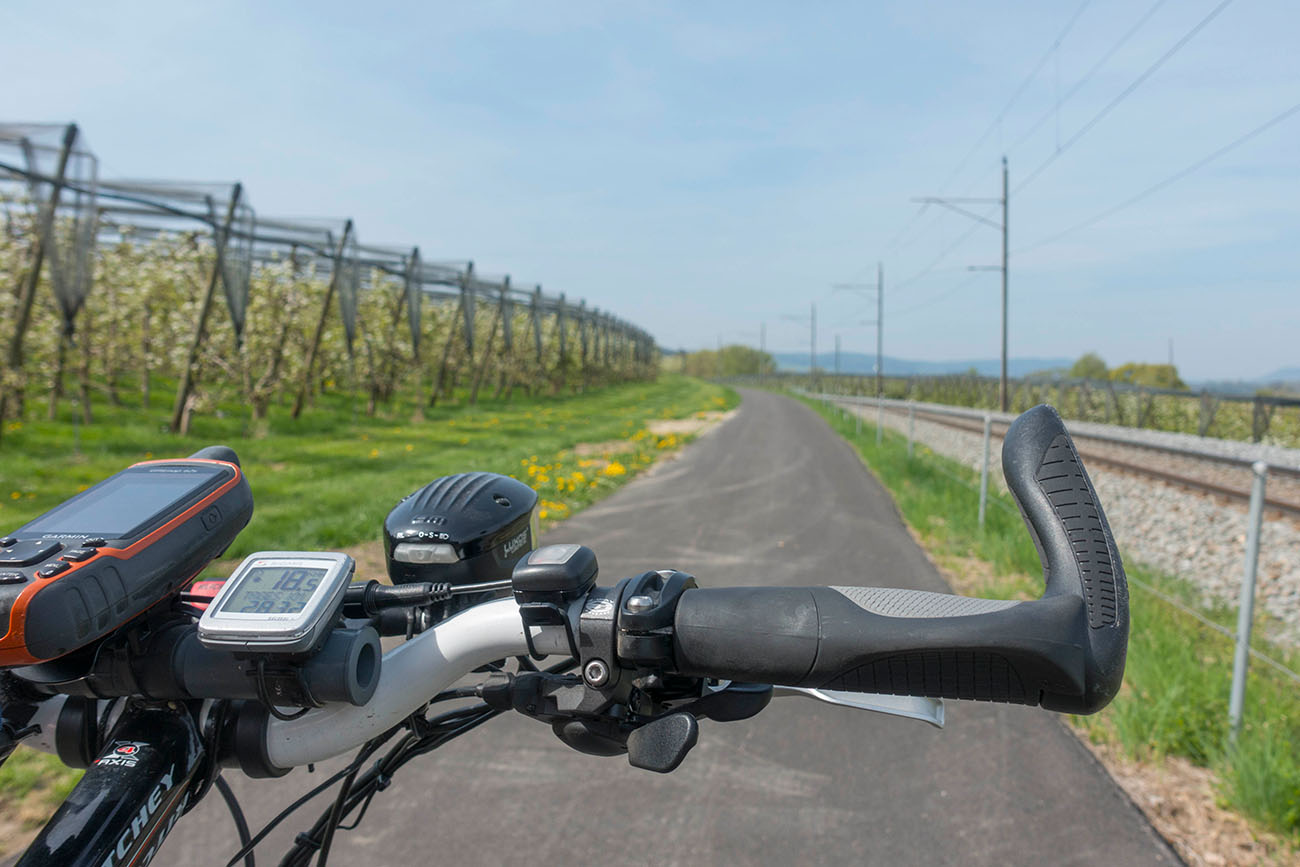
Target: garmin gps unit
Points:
x,y
105,556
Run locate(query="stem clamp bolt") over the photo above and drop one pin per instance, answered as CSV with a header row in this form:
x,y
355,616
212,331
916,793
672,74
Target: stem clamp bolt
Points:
x,y
595,673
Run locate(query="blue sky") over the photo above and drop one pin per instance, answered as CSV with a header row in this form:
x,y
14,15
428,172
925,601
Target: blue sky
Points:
x,y
701,168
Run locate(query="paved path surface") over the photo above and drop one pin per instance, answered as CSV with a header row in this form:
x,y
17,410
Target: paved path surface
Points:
x,y
773,497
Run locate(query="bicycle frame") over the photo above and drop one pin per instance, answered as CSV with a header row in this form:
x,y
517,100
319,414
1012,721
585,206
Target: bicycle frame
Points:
x,y
146,776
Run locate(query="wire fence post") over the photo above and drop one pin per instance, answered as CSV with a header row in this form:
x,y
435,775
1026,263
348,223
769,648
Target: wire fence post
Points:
x,y
880,420
1246,604
984,468
857,414
911,427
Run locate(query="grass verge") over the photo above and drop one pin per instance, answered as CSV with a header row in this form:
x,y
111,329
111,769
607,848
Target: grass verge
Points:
x,y
1174,701
328,480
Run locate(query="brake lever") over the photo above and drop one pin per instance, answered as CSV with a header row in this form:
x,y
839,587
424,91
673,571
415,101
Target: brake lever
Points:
x,y
929,710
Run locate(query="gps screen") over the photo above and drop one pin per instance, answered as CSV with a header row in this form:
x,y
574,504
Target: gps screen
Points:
x,y
118,506
273,590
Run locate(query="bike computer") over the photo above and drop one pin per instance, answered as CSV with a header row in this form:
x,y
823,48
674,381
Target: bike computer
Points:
x,y
278,602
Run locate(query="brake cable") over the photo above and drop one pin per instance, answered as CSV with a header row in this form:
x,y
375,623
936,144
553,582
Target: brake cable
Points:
x,y
365,752
432,734
237,813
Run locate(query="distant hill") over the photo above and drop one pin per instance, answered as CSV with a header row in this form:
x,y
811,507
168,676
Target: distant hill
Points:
x,y
1285,379
857,362
1285,374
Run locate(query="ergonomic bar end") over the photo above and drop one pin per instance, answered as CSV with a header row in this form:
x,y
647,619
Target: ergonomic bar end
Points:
x,y
1074,541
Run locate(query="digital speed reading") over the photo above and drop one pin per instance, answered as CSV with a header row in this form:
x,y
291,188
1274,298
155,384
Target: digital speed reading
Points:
x,y
279,602
274,590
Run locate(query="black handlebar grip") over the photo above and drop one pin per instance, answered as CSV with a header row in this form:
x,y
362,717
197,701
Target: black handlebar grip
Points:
x,y
1064,651
217,453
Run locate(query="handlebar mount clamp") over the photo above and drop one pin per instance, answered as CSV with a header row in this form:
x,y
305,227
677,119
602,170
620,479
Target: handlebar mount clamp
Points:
x,y
645,617
546,582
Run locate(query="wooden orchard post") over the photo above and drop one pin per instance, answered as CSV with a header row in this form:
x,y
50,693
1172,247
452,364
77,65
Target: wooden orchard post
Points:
x,y
27,292
320,323
186,386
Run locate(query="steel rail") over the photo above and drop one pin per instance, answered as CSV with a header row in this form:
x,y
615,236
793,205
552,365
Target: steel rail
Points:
x,y
965,419
1180,479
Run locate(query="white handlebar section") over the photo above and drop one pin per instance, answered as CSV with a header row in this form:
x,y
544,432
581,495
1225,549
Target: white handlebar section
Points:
x,y
411,675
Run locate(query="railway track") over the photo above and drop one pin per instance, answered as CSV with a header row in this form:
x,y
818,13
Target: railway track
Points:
x,y
1217,475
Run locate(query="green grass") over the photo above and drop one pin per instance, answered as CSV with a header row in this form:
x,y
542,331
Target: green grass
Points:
x,y
1174,700
36,780
328,480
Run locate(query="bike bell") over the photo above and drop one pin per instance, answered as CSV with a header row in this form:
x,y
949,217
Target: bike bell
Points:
x,y
461,529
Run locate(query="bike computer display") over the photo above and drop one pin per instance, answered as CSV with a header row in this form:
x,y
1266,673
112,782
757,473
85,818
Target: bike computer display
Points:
x,y
278,602
92,563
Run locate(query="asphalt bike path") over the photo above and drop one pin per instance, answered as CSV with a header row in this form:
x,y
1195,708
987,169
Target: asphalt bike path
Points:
x,y
772,497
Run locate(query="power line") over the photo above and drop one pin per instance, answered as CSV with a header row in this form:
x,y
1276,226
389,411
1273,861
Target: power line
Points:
x,y
1160,185
935,299
1056,44
942,255
1087,76
1124,94
1052,49
916,215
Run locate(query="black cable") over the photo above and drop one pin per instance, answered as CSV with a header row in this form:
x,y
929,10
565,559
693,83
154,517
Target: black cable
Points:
x,y
1056,44
934,299
284,814
336,813
1087,76
1157,187
361,756
458,692
265,698
902,284
1123,94
360,788
237,813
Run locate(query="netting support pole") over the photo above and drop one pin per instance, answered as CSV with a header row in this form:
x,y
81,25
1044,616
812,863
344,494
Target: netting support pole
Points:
x,y
27,294
335,273
186,386
440,380
487,356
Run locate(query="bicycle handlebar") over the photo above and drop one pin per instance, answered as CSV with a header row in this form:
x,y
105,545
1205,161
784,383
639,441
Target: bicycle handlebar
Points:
x,y
1064,651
